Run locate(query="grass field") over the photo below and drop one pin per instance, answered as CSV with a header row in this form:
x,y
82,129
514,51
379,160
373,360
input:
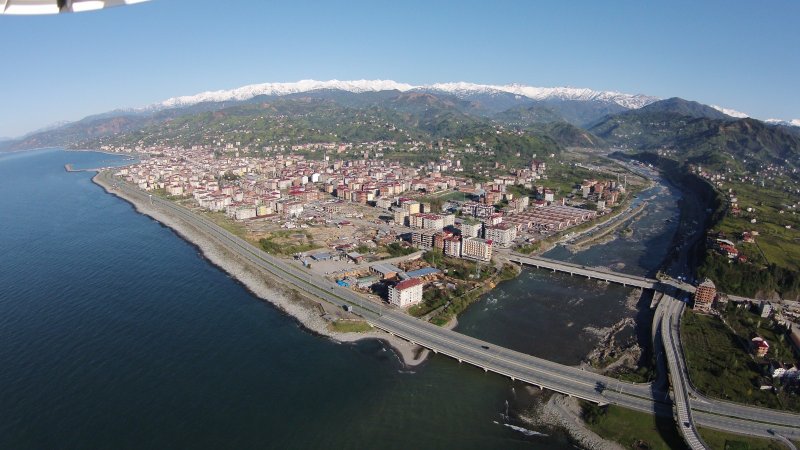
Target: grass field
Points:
x,y
562,178
720,367
719,440
747,323
636,430
780,245
350,326
225,222
286,242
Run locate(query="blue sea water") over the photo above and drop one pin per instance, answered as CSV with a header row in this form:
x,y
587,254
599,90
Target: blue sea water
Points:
x,y
115,334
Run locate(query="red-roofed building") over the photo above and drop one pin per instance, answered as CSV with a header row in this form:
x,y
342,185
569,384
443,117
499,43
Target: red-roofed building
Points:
x,y
406,293
759,346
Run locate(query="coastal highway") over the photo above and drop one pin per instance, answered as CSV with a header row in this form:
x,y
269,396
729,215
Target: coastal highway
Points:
x,y
518,366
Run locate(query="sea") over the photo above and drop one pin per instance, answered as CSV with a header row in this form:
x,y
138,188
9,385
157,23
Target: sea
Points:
x,y
115,333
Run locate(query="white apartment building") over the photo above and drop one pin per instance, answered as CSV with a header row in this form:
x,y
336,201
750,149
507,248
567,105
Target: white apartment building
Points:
x,y
476,248
401,217
406,293
502,234
471,229
452,247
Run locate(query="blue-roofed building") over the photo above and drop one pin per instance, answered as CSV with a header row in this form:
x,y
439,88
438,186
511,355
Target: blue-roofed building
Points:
x,y
423,272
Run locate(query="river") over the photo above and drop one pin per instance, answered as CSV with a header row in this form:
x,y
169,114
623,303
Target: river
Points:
x,y
554,315
116,333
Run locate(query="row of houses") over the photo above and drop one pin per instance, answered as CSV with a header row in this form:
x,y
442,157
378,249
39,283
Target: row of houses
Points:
x,y
549,218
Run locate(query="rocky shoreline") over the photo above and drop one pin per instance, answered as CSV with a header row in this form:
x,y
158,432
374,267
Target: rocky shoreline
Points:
x,y
559,411
309,313
564,412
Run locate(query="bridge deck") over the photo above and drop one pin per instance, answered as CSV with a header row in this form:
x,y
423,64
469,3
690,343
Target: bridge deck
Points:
x,y
589,272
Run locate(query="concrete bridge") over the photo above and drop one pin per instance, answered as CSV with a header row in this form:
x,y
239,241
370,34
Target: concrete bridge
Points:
x,y
678,374
588,272
491,358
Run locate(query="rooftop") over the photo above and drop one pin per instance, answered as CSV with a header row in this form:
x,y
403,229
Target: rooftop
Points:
x,y
407,284
385,268
422,272
707,283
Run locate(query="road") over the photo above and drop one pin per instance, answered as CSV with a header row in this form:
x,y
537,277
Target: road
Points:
x,y
702,406
515,365
678,375
589,272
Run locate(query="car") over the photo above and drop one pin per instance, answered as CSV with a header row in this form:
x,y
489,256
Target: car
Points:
x,y
485,347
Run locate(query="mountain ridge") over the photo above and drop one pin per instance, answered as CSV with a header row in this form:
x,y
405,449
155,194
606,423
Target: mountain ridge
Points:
x,y
459,89
701,134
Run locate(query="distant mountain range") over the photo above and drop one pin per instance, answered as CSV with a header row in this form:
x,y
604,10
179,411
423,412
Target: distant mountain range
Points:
x,y
379,109
465,91
788,123
702,134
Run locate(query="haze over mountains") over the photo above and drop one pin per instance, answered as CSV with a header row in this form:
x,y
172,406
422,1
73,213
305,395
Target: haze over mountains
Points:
x,y
567,117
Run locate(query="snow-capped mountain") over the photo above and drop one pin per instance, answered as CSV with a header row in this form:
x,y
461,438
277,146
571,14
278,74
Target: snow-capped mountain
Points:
x,y
279,89
788,123
730,112
539,93
460,89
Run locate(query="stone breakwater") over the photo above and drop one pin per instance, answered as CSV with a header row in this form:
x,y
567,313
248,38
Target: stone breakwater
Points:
x,y
564,412
308,312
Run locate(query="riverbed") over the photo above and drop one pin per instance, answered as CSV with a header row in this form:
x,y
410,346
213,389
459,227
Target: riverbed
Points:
x,y
555,315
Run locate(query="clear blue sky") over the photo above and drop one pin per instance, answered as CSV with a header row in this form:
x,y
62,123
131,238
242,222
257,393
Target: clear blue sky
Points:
x,y
739,54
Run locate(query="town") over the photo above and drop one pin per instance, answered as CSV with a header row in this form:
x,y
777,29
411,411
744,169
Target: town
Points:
x,y
352,219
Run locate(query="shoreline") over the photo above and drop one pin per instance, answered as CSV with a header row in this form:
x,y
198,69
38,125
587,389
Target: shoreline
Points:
x,y
308,313
105,152
604,235
619,217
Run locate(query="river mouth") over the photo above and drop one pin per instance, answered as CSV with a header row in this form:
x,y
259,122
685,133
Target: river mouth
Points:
x,y
570,319
557,316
